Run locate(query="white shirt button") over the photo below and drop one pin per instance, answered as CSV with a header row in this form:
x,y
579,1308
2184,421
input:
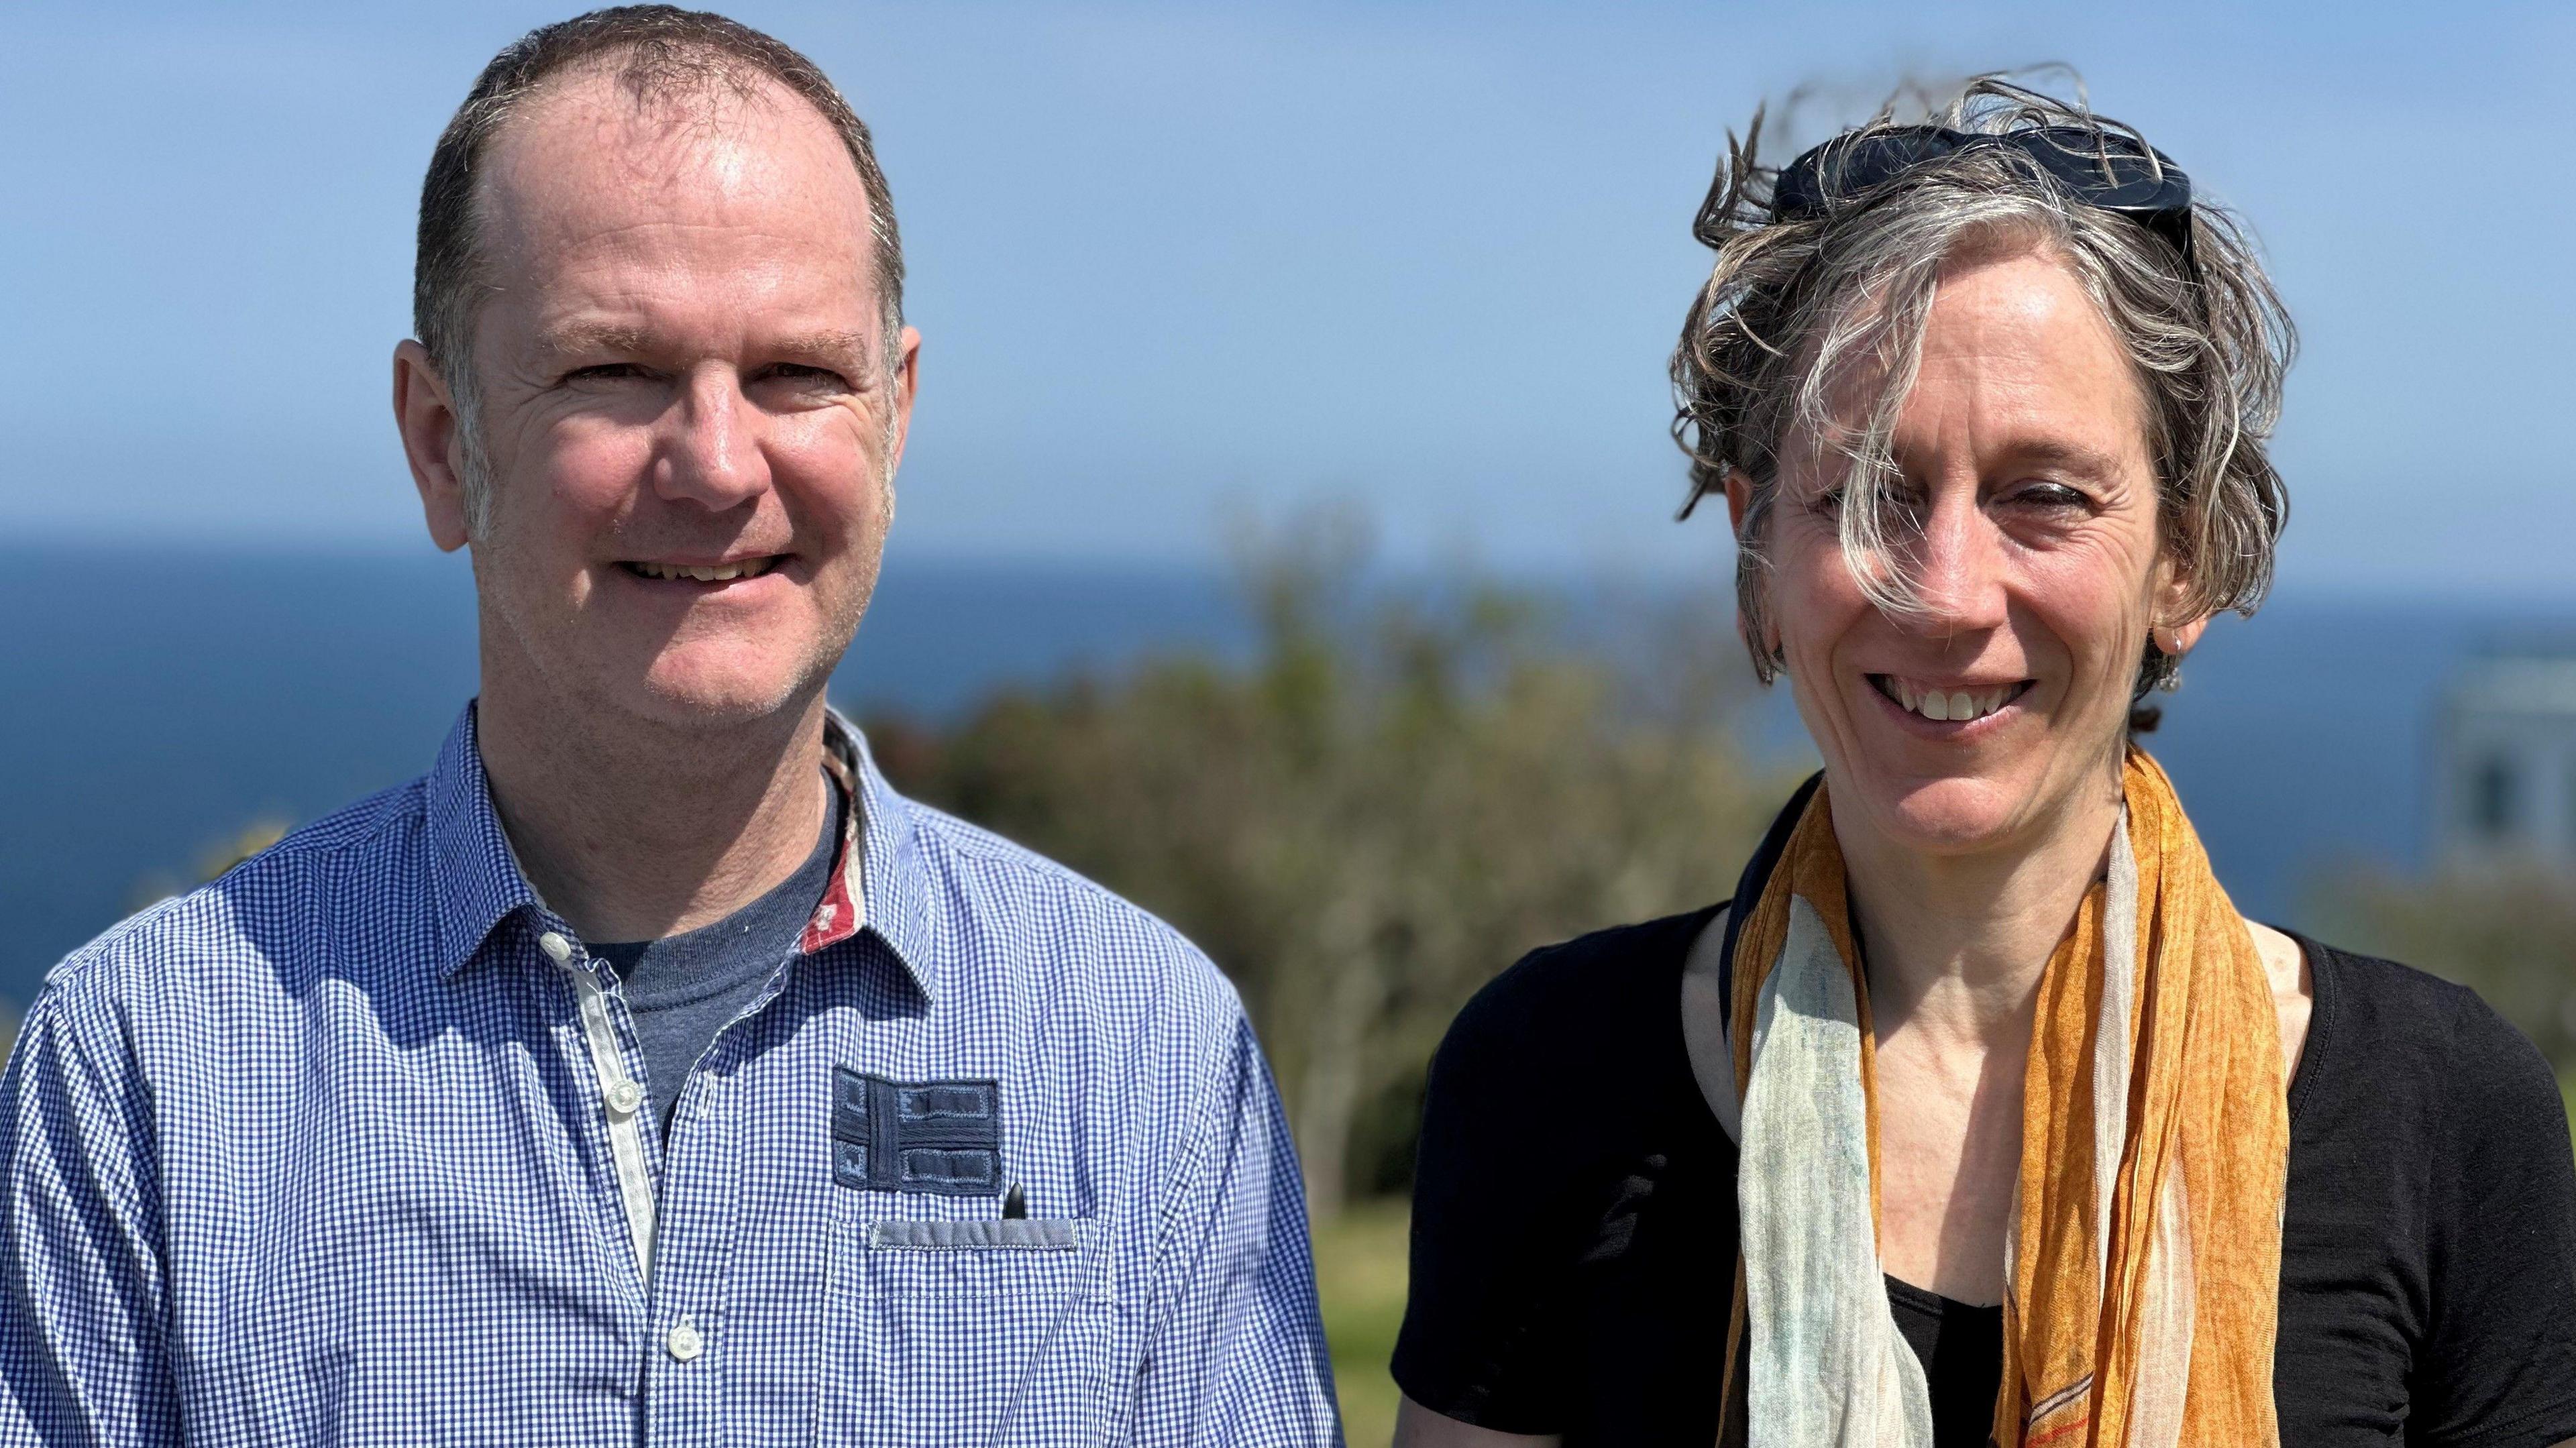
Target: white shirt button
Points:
x,y
557,949
683,1341
624,1097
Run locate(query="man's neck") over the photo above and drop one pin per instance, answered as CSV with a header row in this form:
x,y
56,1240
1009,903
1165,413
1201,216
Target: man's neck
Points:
x,y
1956,945
632,831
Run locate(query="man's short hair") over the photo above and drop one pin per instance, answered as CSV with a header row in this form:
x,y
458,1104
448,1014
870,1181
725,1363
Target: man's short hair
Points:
x,y
661,53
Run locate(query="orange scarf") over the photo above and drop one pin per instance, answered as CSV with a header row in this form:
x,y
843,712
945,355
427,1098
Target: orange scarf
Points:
x,y
2149,1322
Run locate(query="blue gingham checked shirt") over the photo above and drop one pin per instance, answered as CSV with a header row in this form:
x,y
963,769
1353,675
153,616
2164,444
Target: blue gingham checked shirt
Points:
x,y
346,1147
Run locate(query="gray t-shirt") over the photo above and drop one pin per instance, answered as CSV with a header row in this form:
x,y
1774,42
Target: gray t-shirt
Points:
x,y
683,989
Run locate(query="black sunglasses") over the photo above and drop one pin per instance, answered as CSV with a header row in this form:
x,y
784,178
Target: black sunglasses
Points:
x,y
2105,170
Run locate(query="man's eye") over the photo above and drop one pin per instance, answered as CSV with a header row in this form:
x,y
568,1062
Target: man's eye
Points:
x,y
604,372
801,375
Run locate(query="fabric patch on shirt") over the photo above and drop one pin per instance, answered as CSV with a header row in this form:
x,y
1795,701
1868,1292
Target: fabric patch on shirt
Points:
x,y
939,1137
1020,1234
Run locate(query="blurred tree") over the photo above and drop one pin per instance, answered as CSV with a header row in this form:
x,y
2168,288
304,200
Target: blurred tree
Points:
x,y
152,888
216,857
2510,935
1399,794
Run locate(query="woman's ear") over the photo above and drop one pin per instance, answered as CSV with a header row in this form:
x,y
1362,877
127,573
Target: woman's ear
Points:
x,y
2174,601
1739,501
2179,640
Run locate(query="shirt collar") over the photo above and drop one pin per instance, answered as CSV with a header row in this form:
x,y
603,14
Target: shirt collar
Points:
x,y
477,879
878,884
877,874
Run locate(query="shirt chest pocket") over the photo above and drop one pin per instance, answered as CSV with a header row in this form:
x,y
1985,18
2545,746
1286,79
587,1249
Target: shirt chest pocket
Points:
x,y
974,1333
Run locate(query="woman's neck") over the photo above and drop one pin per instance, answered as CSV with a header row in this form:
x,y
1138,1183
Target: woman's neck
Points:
x,y
1955,945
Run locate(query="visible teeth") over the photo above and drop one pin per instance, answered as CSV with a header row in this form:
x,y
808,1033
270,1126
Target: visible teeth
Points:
x,y
705,573
1947,706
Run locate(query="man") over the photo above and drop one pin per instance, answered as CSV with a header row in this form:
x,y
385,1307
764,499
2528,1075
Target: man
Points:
x,y
650,1069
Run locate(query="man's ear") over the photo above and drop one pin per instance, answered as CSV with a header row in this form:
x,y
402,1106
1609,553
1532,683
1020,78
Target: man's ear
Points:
x,y
425,414
906,374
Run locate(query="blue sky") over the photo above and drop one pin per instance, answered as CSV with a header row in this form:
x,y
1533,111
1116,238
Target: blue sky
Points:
x,y
1175,262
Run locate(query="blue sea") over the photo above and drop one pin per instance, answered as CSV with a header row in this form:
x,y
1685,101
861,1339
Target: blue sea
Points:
x,y
158,702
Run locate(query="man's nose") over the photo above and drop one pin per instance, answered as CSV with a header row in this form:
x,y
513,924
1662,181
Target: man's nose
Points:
x,y
1959,579
713,455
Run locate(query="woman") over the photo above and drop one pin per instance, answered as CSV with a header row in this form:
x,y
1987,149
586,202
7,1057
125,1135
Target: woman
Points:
x,y
1978,1111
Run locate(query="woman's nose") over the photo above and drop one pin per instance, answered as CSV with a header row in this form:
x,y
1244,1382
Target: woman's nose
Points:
x,y
1959,577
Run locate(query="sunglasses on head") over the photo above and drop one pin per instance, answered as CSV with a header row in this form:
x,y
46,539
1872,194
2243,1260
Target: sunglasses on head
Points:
x,y
2106,170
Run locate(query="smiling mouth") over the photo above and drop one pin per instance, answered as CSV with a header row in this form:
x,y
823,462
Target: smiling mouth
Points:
x,y
703,572
1949,706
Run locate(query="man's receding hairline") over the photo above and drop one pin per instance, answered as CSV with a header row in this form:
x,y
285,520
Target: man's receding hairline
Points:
x,y
612,66
756,85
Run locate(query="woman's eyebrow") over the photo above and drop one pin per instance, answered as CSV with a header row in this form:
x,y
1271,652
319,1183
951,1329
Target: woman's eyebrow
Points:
x,y
2073,457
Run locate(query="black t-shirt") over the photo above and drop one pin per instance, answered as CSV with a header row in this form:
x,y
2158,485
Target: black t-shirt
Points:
x,y
1574,1218
1961,1348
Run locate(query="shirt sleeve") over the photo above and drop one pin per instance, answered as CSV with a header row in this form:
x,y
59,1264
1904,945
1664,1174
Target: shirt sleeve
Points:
x,y
82,1330
2498,1364
1482,1340
1237,1357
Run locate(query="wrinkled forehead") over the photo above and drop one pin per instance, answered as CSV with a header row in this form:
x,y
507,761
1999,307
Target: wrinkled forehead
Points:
x,y
588,160
2001,302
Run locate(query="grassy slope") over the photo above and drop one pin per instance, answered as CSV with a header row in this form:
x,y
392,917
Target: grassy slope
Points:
x,y
1359,1268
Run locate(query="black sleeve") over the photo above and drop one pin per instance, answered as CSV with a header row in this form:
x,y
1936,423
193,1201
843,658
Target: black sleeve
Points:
x,y
1482,1340
2497,1367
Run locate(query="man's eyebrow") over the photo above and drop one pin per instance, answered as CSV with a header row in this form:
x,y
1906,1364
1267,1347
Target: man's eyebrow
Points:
x,y
575,337
580,336
835,347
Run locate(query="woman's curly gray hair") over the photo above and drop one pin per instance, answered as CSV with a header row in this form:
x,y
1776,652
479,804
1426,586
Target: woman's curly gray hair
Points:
x,y
1813,328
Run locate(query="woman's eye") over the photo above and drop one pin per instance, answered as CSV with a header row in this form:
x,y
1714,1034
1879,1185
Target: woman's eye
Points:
x,y
2051,496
